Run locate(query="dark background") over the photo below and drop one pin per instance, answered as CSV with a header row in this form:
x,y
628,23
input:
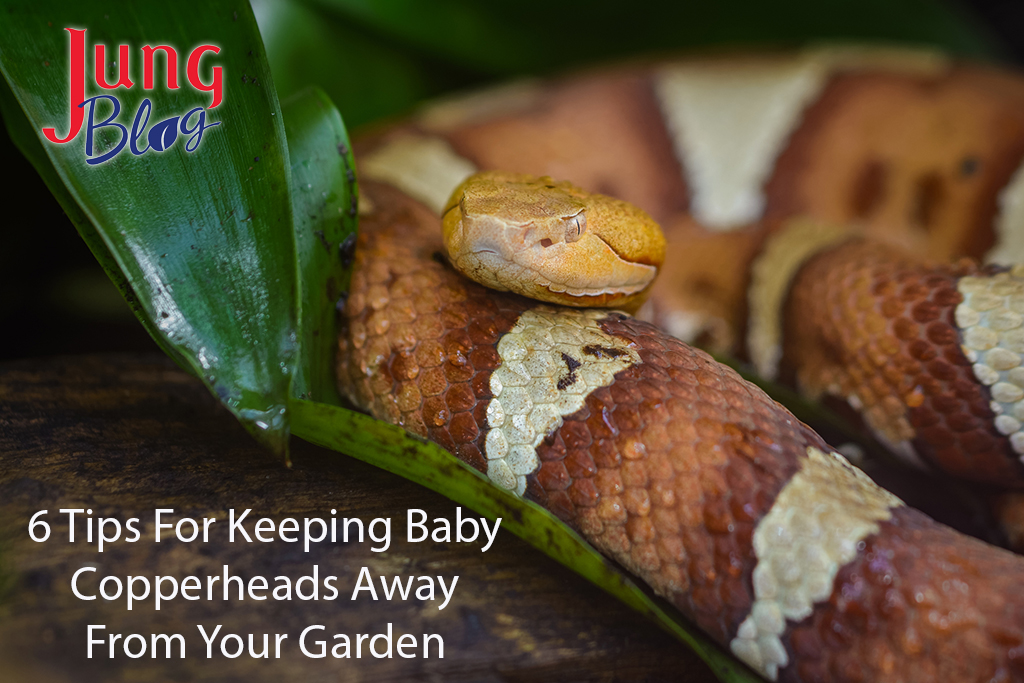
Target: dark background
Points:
x,y
54,299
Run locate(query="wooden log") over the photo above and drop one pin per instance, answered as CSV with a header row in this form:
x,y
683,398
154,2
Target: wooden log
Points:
x,y
125,435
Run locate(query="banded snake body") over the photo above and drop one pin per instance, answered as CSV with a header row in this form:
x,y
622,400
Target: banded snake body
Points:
x,y
810,203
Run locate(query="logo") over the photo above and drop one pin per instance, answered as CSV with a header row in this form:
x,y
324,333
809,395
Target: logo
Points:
x,y
160,136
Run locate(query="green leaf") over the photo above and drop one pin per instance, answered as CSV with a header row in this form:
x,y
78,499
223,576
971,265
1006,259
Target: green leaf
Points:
x,y
513,36
395,450
324,203
200,237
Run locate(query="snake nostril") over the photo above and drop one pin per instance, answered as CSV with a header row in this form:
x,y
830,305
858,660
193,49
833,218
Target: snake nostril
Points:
x,y
546,243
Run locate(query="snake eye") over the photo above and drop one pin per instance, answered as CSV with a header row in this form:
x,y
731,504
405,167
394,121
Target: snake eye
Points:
x,y
575,226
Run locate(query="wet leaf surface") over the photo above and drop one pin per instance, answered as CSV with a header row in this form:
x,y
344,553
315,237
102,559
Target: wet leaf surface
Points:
x,y
325,201
201,236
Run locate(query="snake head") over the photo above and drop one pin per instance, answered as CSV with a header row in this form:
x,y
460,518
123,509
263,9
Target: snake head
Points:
x,y
552,241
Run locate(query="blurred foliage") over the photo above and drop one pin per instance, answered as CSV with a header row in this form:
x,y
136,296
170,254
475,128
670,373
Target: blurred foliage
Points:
x,y
377,58
369,75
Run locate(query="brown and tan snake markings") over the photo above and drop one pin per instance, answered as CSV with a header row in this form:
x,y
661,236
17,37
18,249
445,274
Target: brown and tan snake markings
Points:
x,y
531,388
799,232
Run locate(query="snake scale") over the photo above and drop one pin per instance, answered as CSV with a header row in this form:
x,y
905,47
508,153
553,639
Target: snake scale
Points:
x,y
812,204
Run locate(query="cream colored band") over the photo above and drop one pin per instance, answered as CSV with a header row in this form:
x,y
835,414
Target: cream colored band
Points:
x,y
991,322
426,168
810,533
1009,223
550,362
730,117
771,275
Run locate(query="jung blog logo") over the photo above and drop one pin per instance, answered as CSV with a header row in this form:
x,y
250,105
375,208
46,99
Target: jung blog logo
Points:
x,y
161,135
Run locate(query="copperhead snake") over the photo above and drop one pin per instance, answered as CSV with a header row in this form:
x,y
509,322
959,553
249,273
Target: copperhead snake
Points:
x,y
810,203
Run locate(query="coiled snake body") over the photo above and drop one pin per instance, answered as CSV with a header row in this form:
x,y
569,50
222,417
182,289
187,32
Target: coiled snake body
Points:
x,y
670,463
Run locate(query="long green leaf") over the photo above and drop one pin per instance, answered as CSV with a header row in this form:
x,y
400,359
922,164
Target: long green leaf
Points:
x,y
393,449
200,237
325,216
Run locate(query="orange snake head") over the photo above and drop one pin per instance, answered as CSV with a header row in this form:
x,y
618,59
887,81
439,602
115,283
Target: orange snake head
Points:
x,y
552,241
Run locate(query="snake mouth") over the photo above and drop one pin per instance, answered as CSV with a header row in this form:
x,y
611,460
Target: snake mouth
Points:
x,y
492,267
584,293
519,259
